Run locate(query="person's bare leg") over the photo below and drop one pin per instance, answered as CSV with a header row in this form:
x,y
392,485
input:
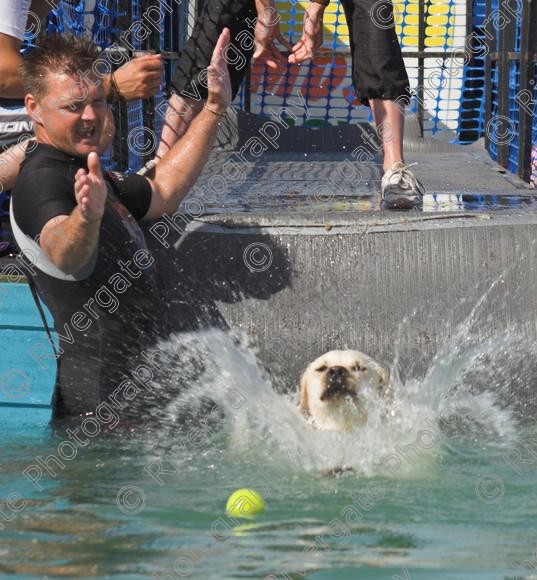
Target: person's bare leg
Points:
x,y
390,121
178,117
400,189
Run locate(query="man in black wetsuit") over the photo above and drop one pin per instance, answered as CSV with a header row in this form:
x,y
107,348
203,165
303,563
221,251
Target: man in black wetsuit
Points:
x,y
79,228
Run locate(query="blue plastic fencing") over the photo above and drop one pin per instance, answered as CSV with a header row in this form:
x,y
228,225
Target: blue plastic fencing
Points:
x,y
512,60
472,102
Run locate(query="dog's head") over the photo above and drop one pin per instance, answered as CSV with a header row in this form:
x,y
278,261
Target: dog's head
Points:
x,y
331,386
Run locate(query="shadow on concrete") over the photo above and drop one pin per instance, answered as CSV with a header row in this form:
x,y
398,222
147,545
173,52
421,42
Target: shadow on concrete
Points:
x,y
207,269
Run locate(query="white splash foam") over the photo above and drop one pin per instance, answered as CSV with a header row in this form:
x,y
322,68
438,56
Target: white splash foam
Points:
x,y
267,425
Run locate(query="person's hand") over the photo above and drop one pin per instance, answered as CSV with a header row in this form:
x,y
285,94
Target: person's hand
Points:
x,y
218,82
140,78
312,35
267,31
91,190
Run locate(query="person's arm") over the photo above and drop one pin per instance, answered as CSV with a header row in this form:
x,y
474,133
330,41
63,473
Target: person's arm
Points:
x,y
14,19
70,241
10,60
179,169
312,35
10,161
183,163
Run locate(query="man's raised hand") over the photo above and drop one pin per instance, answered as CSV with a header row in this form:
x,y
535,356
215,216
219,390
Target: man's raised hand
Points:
x,y
91,190
218,82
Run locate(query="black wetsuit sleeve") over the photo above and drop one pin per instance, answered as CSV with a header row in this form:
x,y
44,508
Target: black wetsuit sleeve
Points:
x,y
134,191
39,196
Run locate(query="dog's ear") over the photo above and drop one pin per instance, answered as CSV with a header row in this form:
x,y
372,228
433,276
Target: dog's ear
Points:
x,y
303,401
382,371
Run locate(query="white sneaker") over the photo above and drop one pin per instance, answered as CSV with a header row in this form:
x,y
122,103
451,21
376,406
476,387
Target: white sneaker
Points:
x,y
400,188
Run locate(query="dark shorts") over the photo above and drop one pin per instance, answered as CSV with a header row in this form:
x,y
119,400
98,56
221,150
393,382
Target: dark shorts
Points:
x,y
378,69
196,57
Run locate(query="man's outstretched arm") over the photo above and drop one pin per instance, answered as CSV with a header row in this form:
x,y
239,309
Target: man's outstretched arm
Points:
x,y
181,166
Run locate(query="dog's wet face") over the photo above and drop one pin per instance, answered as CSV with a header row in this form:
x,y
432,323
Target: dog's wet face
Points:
x,y
339,381
331,388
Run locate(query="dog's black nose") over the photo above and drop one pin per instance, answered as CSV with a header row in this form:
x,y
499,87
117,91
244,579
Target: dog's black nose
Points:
x,y
336,373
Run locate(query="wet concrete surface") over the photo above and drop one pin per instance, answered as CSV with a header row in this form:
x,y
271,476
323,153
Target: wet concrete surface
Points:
x,y
460,180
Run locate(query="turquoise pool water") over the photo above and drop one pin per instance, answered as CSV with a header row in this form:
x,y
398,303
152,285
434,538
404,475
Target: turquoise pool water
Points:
x,y
149,503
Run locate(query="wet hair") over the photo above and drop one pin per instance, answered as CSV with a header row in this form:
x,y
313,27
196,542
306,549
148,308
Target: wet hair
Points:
x,y
60,53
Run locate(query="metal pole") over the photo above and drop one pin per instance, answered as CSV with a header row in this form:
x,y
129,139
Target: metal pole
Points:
x,y
526,110
488,78
421,62
505,45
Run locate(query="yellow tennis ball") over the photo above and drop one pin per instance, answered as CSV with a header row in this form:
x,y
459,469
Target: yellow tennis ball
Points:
x,y
244,503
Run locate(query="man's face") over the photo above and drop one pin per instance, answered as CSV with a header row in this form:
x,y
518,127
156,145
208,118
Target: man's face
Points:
x,y
73,116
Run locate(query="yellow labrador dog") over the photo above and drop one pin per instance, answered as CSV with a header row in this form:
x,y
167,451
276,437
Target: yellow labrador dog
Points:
x,y
330,388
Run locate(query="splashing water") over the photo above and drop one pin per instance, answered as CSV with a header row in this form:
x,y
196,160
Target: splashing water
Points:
x,y
465,397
